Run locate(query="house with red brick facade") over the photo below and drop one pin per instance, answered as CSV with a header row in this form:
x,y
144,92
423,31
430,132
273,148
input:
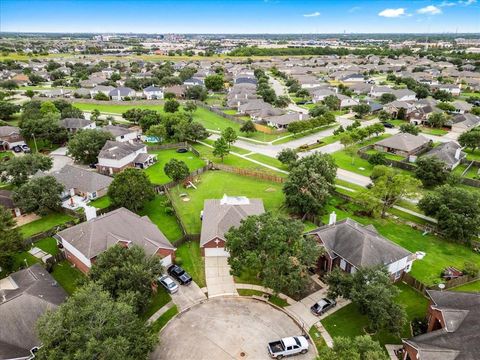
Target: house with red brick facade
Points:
x,y
219,216
453,331
84,242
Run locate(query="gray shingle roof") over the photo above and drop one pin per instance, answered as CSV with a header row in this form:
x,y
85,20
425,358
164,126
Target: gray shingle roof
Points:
x,y
359,245
95,236
117,130
219,215
403,141
446,152
118,150
74,123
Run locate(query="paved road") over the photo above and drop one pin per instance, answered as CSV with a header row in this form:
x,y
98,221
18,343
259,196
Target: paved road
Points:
x,y
280,90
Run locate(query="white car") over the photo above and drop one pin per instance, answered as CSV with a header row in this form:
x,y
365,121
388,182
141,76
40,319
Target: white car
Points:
x,y
288,346
168,283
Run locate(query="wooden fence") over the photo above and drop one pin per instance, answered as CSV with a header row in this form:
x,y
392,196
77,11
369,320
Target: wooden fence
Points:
x,y
220,113
250,173
163,187
449,284
362,152
168,146
48,233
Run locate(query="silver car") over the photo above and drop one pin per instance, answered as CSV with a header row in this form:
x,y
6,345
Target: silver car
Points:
x,y
168,283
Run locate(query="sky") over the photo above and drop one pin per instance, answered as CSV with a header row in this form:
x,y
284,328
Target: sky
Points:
x,y
240,16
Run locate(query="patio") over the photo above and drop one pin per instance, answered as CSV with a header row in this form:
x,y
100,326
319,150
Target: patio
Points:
x,y
75,202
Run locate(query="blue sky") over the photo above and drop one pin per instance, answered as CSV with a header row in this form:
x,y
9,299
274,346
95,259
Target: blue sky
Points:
x,y
240,16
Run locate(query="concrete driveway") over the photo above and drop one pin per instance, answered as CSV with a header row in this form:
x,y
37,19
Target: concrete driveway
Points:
x,y
218,278
188,296
226,328
60,159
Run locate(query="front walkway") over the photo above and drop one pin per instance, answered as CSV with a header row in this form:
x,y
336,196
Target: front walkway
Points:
x,y
219,280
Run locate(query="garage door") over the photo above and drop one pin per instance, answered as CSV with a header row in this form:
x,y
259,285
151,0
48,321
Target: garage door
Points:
x,y
166,261
216,252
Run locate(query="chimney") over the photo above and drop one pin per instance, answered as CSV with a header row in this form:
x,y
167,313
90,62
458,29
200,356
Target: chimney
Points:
x,y
246,96
90,212
236,96
333,218
238,104
300,116
109,122
457,153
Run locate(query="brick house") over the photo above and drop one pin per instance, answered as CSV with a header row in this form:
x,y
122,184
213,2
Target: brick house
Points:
x,y
452,333
403,144
350,246
219,215
116,156
84,242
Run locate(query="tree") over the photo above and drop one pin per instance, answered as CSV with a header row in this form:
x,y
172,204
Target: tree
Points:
x,y
248,127
10,242
442,95
361,110
18,169
409,128
446,106
48,107
296,127
387,97
95,115
431,171
71,112
229,135
40,195
157,131
85,145
332,102
383,116
91,325
196,132
470,139
101,96
287,156
127,273
221,148
318,110
282,101
389,186
135,115
371,289
176,170
457,211
214,82
358,348
7,109
378,158
437,120
310,184
402,114
196,92
190,106
171,106
275,249
131,189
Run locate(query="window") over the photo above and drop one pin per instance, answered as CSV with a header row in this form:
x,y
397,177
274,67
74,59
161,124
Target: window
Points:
x,y
343,264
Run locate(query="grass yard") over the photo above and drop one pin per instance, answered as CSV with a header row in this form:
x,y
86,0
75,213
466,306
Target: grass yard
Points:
x,y
48,245
471,173
271,298
167,224
472,155
101,203
160,323
433,131
156,173
113,108
43,224
317,338
470,287
213,185
67,276
157,301
188,255
389,156
349,322
269,161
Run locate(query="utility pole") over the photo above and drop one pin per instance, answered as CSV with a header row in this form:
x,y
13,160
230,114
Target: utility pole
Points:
x,y
35,142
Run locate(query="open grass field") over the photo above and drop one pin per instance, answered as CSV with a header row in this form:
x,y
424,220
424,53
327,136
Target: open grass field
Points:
x,y
114,108
349,322
157,175
45,223
213,185
188,256
167,224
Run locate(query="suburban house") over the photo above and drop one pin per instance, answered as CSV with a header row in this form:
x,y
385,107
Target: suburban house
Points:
x,y
219,215
353,78
282,121
193,81
25,295
116,156
104,89
9,137
121,93
121,134
6,200
21,79
153,92
404,95
450,88
177,90
452,333
85,241
350,246
449,152
464,122
74,124
461,107
403,144
346,101
321,94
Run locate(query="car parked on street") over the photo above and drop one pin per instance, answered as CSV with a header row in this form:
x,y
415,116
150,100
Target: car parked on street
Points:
x,y
168,283
288,346
26,149
322,306
388,125
179,274
17,149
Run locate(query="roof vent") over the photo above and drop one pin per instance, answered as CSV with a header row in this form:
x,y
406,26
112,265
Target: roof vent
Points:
x,y
234,200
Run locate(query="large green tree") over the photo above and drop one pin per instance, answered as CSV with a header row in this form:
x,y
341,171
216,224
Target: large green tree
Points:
x,y
310,184
19,168
10,240
131,189
7,109
220,148
85,145
214,82
357,348
176,169
229,135
91,325
470,139
40,195
275,249
431,171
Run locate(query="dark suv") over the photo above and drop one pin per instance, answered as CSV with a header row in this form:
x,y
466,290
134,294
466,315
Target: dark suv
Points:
x,y
179,274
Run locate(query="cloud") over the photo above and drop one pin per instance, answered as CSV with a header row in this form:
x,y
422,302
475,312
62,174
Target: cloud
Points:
x,y
430,10
314,14
467,2
354,9
447,4
392,13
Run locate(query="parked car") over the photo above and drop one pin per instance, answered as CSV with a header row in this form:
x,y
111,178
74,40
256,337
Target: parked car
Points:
x,y
92,166
17,149
179,274
26,149
167,282
182,150
322,306
288,346
388,125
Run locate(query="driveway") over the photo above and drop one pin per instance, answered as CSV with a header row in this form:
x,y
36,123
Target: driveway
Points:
x,y
187,296
60,159
219,280
226,328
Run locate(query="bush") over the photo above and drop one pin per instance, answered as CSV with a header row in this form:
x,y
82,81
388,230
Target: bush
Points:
x,y
471,269
169,210
377,159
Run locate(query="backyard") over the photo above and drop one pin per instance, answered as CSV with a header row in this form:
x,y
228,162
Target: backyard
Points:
x,y
158,212
188,256
43,224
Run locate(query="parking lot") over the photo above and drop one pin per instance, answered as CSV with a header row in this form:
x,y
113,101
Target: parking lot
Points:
x,y
226,328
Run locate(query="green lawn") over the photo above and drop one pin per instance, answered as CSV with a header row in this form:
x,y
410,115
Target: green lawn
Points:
x,y
43,224
157,301
213,185
433,131
472,172
48,244
156,173
349,322
113,108
67,276
168,224
164,319
472,155
387,155
248,277
42,145
271,298
101,203
470,287
317,338
268,160
188,255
